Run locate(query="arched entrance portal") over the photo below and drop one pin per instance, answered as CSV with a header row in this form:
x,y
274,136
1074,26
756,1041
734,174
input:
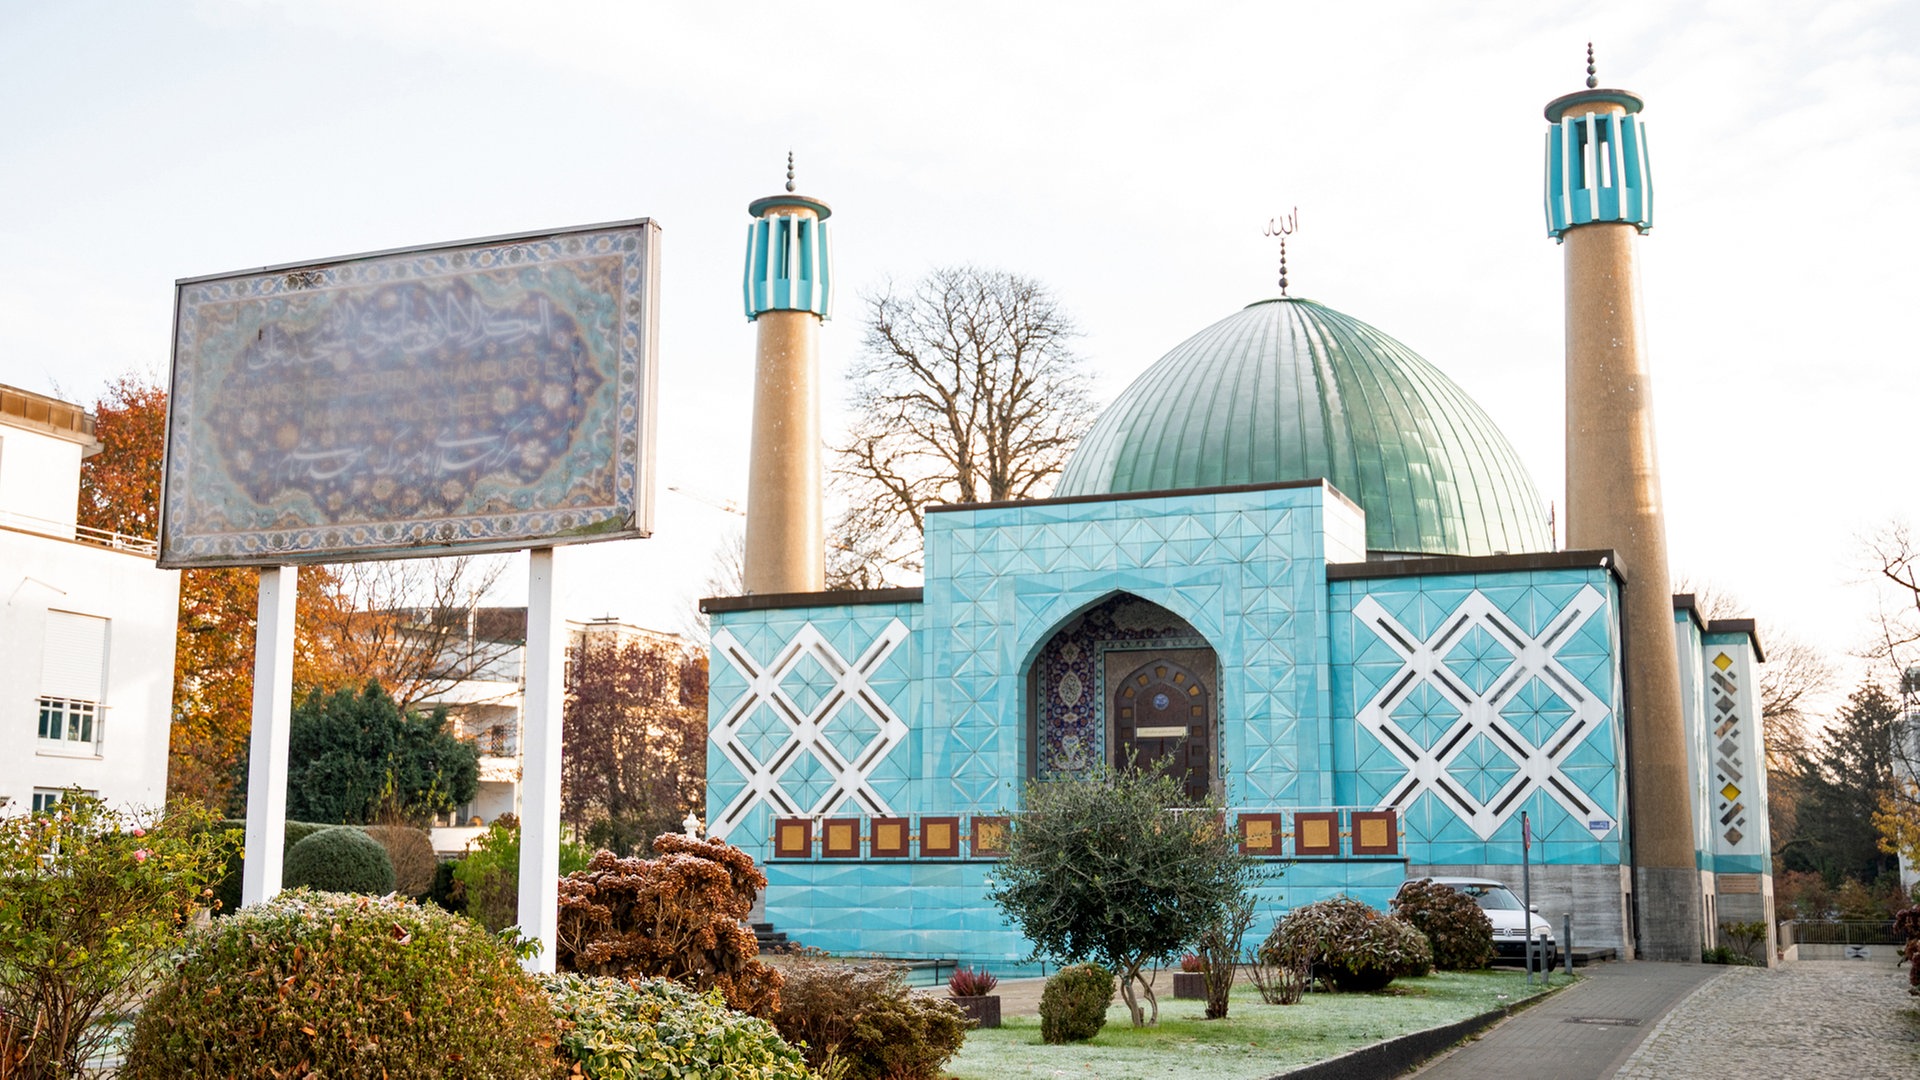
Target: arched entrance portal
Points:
x,y
1162,718
1087,704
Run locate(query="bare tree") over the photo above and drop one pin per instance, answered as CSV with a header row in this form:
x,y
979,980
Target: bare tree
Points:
x,y
966,390
1893,561
635,734
419,627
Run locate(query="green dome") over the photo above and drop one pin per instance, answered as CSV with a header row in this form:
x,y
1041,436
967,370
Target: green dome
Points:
x,y
1291,390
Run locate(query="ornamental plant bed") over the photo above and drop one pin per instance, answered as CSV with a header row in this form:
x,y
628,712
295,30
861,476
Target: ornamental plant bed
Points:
x,y
1254,1040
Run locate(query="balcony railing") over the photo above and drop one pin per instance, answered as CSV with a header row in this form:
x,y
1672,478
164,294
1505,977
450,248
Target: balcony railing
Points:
x,y
85,534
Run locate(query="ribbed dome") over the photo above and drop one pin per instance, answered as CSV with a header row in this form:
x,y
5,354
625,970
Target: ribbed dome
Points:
x,y
1291,390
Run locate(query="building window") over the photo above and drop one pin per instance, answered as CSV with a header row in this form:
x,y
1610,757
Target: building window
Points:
x,y
45,799
69,721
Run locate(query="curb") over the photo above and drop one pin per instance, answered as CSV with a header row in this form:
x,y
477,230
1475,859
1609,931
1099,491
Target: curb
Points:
x,y
1397,1056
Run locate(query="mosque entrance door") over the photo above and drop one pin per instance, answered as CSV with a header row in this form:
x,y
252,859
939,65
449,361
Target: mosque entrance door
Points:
x,y
1163,718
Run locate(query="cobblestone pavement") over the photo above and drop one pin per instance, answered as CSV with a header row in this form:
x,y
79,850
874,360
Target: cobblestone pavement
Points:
x,y
1851,1019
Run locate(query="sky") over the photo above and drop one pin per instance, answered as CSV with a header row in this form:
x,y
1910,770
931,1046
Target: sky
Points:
x,y
1128,155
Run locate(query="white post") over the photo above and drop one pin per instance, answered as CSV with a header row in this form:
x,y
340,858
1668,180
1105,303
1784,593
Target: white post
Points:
x,y
272,712
540,762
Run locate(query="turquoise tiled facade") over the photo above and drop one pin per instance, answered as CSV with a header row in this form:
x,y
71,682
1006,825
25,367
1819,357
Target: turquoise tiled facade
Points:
x,y
1498,691
1459,699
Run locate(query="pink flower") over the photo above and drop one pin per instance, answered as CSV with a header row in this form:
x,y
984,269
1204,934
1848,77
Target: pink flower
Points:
x,y
141,855
139,832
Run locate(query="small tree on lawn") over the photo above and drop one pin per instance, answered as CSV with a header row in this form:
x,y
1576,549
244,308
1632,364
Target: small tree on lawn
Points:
x,y
1121,869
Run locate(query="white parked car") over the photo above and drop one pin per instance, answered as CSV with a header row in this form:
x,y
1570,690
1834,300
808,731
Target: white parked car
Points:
x,y
1508,916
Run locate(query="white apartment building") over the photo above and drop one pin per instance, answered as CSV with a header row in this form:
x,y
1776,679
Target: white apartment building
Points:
x,y
486,708
86,626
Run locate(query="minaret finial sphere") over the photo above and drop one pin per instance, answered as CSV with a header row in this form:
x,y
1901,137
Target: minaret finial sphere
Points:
x,y
1592,72
790,163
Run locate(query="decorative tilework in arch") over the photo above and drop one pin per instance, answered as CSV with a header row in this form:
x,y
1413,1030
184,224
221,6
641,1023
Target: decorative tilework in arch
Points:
x,y
1070,678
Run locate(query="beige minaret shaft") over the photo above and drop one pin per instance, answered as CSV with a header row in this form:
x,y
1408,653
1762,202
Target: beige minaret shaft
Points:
x,y
1614,501
786,538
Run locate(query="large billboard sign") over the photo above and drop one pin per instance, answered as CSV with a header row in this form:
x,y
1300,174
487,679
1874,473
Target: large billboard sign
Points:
x,y
484,395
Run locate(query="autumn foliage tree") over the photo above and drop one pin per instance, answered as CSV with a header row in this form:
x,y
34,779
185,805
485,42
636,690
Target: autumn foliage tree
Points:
x,y
678,916
633,761
213,653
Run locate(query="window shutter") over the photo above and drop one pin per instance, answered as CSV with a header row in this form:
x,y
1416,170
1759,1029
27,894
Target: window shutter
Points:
x,y
75,662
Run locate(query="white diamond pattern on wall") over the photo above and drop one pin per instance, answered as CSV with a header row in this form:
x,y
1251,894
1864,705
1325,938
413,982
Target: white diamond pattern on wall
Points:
x,y
1507,738
808,731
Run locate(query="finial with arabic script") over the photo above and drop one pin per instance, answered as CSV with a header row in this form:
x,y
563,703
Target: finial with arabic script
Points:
x,y
1283,227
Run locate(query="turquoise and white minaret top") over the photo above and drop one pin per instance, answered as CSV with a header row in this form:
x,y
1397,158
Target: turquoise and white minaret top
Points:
x,y
787,264
1597,166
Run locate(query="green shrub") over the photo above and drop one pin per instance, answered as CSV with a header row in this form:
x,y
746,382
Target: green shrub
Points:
x,y
92,903
1746,939
325,984
655,1028
489,877
410,850
861,1022
1460,933
1349,944
1073,1004
342,859
227,891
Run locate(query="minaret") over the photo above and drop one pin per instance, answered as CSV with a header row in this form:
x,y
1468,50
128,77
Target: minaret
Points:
x,y
1599,200
788,293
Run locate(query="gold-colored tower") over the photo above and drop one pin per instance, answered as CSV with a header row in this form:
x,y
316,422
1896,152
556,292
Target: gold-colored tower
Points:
x,y
788,294
1599,202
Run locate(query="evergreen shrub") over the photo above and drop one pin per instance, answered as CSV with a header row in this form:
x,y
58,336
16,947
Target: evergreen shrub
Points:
x,y
612,1029
1460,933
342,859
1073,1004
861,1022
227,891
1349,944
332,985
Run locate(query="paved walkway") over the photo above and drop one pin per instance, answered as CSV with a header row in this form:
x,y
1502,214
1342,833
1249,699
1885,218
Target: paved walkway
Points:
x,y
1585,1032
1811,1018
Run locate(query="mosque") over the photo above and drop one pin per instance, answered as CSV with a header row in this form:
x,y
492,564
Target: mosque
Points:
x,y
1299,566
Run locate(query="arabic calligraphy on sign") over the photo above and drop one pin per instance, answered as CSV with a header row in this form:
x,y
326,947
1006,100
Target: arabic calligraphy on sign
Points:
x,y
477,396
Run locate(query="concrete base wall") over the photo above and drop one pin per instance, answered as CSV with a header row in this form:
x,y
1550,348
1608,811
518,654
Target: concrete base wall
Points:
x,y
1596,897
1667,904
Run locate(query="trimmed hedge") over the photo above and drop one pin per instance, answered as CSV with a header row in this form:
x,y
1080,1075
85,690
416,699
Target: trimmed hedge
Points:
x,y
325,984
342,859
227,891
1073,1004
410,850
653,1029
861,1022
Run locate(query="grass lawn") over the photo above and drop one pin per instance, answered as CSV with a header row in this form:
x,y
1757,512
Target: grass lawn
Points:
x,y
1255,1040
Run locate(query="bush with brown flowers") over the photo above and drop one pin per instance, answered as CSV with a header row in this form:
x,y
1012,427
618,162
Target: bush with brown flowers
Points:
x,y
1461,934
1349,944
675,917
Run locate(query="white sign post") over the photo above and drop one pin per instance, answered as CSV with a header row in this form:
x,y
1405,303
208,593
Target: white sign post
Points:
x,y
540,761
272,713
